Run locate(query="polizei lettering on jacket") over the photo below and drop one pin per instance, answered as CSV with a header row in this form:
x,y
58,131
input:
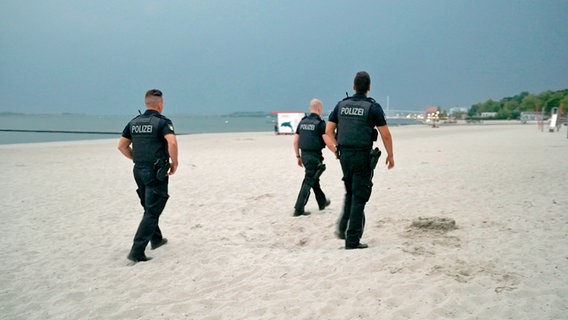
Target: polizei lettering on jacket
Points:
x,y
350,110
142,128
309,127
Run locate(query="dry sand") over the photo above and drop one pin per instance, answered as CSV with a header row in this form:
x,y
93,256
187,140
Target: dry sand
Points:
x,y
235,252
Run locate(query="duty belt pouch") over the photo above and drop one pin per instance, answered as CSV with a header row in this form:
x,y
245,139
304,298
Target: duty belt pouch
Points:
x,y
161,168
375,155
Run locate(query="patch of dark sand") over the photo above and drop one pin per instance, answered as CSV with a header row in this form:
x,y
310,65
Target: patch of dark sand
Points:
x,y
438,224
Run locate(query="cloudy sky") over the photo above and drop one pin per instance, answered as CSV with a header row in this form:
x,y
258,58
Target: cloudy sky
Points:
x,y
221,56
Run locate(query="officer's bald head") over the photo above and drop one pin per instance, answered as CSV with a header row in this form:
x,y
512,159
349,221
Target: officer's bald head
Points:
x,y
316,106
362,82
153,99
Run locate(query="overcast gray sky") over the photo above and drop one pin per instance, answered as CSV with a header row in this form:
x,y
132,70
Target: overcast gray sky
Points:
x,y
215,57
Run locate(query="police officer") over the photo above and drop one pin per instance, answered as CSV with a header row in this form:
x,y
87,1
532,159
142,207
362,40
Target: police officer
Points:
x,y
154,144
309,139
350,133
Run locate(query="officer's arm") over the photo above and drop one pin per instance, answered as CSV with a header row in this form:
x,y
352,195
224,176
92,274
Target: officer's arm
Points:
x,y
124,147
173,151
297,148
329,136
387,142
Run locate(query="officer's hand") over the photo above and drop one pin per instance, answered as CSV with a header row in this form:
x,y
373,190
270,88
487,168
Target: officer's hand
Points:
x,y
390,162
173,168
300,162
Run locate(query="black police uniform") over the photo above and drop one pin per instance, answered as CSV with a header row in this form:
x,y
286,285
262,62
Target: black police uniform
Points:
x,y
151,161
356,118
310,130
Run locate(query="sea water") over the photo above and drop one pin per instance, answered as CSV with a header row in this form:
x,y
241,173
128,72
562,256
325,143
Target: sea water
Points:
x,y
67,127
87,127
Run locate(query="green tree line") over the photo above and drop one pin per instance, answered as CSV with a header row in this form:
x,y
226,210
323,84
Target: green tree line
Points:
x,y
511,107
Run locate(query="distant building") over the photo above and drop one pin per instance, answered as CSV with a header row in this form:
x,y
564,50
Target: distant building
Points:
x,y
489,114
457,110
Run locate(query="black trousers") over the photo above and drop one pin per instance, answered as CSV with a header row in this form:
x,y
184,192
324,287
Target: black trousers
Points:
x,y
153,196
311,160
357,176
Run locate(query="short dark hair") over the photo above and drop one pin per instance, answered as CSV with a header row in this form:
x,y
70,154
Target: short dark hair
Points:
x,y
153,98
153,93
362,82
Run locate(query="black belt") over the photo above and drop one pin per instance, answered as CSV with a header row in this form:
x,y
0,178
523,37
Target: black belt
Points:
x,y
147,163
144,164
354,149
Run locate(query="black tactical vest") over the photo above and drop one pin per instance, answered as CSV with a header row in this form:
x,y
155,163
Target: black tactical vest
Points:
x,y
353,127
310,135
148,145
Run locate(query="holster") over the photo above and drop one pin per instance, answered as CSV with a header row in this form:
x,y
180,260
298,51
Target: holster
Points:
x,y
374,155
319,171
161,168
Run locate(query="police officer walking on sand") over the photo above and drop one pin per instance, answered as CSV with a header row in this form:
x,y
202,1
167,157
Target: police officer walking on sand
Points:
x,y
153,143
354,120
309,139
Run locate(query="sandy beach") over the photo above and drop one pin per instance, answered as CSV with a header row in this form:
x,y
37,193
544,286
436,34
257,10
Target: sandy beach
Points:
x,y
236,252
